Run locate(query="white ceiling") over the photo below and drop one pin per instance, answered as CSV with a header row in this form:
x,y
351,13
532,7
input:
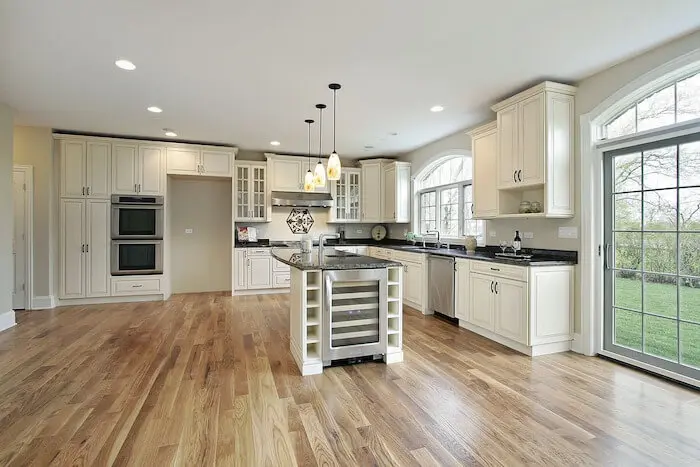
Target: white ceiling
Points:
x,y
248,72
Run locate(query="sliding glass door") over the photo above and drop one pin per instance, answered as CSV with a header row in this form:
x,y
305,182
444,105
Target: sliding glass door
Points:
x,y
652,254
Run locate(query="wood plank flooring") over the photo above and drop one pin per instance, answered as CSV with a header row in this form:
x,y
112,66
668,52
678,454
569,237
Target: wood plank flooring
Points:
x,y
207,379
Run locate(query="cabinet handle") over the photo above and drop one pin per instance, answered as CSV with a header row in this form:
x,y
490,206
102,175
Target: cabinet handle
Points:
x,y
491,286
515,180
520,175
87,248
496,287
83,191
136,286
82,248
88,191
139,188
494,269
135,188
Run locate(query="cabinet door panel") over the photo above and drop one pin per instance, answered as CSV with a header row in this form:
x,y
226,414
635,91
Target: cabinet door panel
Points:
x,y
99,181
258,192
511,310
182,161
124,174
72,169
371,193
240,270
216,163
486,197
481,308
259,272
287,174
402,196
389,185
532,141
71,249
413,284
242,192
97,273
462,290
150,170
507,146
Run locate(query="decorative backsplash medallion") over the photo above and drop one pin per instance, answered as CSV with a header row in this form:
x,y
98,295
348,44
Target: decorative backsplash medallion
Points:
x,y
300,221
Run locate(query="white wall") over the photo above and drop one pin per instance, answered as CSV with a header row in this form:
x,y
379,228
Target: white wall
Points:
x,y
7,316
200,261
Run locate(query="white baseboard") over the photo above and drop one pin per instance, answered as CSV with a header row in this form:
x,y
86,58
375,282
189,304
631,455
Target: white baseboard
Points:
x,y
43,302
7,320
259,292
577,344
533,351
101,300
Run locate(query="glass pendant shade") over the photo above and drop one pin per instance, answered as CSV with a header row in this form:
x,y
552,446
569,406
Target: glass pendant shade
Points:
x,y
309,181
319,175
334,167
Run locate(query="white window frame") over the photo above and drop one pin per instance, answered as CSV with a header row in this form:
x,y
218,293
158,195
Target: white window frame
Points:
x,y
438,189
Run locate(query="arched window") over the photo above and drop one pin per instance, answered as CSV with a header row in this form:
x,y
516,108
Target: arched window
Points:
x,y
444,199
675,103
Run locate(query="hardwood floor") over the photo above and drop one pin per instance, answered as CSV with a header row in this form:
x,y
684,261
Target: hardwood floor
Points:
x,y
206,379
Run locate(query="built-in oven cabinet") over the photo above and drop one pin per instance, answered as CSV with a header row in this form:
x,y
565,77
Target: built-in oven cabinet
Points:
x,y
137,285
85,169
138,169
137,217
84,246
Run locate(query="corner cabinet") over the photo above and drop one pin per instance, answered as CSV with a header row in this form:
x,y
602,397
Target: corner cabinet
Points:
x,y
484,153
535,134
250,192
346,194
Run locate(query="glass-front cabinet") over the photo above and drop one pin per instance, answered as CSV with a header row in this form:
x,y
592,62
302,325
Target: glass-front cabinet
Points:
x,y
250,190
346,196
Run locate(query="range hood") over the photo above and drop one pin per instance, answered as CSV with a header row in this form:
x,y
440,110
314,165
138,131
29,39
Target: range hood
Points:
x,y
302,199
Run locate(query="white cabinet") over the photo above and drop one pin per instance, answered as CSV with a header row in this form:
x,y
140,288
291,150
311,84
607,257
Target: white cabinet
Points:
x,y
84,248
371,191
137,285
287,172
511,310
413,284
208,162
484,153
240,269
250,192
85,169
138,169
462,296
535,133
255,269
396,184
259,276
482,301
346,194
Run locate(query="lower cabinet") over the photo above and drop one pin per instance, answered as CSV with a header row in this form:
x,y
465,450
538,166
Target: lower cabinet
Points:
x,y
462,293
482,301
258,272
499,305
84,248
413,284
256,269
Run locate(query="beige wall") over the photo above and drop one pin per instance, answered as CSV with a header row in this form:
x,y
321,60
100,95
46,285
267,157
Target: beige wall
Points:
x,y
200,261
7,216
34,146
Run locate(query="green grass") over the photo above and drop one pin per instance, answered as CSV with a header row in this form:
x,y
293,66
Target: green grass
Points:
x,y
660,334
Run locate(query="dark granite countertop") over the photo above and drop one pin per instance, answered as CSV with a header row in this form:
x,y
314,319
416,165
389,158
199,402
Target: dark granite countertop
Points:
x,y
540,257
332,259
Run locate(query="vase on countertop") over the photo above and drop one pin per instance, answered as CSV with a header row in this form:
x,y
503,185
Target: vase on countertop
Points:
x,y
470,243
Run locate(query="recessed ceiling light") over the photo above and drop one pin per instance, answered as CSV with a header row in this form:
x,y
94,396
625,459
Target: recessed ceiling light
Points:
x,y
125,64
154,109
275,143
169,132
437,108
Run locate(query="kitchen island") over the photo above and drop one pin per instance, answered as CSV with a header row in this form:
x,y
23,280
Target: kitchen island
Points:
x,y
342,306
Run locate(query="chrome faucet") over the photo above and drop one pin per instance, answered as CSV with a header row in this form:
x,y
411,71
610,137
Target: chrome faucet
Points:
x,y
433,232
321,239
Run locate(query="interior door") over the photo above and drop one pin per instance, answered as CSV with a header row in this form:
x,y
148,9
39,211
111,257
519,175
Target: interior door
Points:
x,y
124,169
97,248
72,248
19,241
150,170
652,254
481,307
98,160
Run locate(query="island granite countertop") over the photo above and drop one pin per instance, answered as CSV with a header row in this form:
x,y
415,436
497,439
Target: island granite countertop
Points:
x,y
332,260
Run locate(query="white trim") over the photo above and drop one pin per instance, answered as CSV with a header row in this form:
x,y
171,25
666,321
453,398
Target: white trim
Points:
x,y
7,320
532,351
236,293
654,369
45,302
590,183
576,344
101,300
28,171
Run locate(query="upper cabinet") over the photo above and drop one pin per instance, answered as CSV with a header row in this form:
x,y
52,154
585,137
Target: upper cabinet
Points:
x,y
535,149
485,153
386,191
250,202
287,172
138,169
346,196
200,161
85,169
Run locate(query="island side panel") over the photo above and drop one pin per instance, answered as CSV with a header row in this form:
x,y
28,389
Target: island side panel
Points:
x,y
296,312
394,350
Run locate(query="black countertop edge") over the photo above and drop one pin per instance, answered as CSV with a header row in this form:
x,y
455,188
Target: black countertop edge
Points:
x,y
309,261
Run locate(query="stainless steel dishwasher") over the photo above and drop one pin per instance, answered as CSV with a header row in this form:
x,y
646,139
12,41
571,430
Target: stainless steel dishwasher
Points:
x,y
441,289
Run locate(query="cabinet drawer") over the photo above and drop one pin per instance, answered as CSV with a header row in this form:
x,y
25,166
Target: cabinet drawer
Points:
x,y
258,252
141,286
518,273
281,280
278,266
410,257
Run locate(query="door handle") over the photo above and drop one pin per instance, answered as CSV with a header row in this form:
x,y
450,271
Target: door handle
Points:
x,y
608,259
520,175
491,286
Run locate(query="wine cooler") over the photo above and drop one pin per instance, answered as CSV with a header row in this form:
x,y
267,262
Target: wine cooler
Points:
x,y
355,317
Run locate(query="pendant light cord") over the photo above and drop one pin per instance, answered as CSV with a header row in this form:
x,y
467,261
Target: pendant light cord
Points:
x,y
320,132
334,93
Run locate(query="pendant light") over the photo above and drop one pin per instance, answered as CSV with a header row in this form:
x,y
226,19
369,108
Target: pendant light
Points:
x,y
309,178
320,172
334,161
